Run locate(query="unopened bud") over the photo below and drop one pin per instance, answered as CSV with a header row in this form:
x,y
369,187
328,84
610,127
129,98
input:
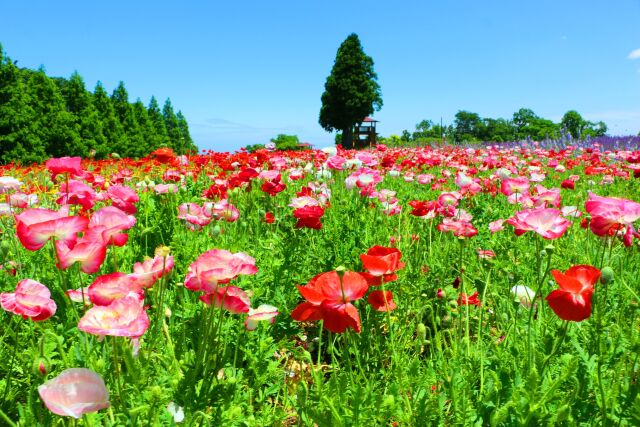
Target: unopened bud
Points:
x,y
606,276
421,332
549,248
440,293
41,366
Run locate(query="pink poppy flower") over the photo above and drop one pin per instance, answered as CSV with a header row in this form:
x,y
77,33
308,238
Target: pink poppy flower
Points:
x,y
547,222
496,226
9,183
264,312
610,214
519,185
76,193
36,226
230,298
193,214
75,392
110,287
108,222
89,253
70,165
217,266
79,295
459,228
123,198
222,210
30,300
124,317
146,273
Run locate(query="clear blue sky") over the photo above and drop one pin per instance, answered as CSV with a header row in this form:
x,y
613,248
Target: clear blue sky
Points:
x,y
242,72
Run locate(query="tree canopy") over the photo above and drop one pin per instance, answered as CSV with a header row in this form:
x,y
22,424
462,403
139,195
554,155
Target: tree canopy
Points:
x,y
351,90
42,117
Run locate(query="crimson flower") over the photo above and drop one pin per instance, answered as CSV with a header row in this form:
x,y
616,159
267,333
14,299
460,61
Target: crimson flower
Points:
x,y
329,298
573,300
309,217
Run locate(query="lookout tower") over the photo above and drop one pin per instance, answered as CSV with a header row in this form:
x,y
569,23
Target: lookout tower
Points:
x,y
364,134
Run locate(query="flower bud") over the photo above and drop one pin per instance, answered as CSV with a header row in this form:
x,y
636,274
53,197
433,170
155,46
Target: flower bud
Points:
x,y
549,248
440,293
606,276
4,249
421,332
41,366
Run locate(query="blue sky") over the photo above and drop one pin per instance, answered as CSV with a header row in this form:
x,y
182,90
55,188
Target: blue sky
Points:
x,y
242,72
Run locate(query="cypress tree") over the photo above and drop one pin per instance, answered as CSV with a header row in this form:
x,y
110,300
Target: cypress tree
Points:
x,y
157,120
146,128
173,128
189,145
351,91
17,142
112,128
53,124
80,104
124,112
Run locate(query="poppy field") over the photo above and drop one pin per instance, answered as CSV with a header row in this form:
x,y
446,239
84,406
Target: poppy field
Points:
x,y
483,285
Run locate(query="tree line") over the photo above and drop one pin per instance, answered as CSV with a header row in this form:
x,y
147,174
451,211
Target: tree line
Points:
x,y
525,124
43,117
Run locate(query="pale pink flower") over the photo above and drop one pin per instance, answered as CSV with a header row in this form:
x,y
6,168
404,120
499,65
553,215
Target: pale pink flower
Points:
x,y
547,222
110,287
217,266
519,185
194,215
124,317
75,392
497,225
264,312
30,300
146,273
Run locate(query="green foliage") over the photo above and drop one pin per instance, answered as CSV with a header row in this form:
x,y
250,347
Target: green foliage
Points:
x,y
573,123
287,142
42,117
351,90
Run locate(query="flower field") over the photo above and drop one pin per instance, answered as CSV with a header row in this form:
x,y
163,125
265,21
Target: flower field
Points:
x,y
396,287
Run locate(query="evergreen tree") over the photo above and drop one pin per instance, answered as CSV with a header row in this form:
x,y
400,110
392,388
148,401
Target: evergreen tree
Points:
x,y
157,120
173,127
124,112
16,117
146,128
189,145
112,128
53,124
351,90
87,119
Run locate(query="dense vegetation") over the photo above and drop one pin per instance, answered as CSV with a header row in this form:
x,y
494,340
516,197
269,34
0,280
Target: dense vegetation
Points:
x,y
525,124
42,117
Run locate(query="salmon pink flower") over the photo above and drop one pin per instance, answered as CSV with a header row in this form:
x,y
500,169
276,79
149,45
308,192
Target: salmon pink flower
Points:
x,y
264,312
70,165
36,226
381,301
76,193
230,298
123,198
547,222
30,300
146,273
573,300
124,317
110,287
75,392
459,228
108,222
89,253
217,266
329,298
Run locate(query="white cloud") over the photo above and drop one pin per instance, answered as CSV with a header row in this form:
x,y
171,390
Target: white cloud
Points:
x,y
635,54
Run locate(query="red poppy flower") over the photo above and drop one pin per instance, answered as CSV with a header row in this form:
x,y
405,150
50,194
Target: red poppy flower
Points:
x,y
269,218
573,300
329,298
381,264
381,301
464,299
309,217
